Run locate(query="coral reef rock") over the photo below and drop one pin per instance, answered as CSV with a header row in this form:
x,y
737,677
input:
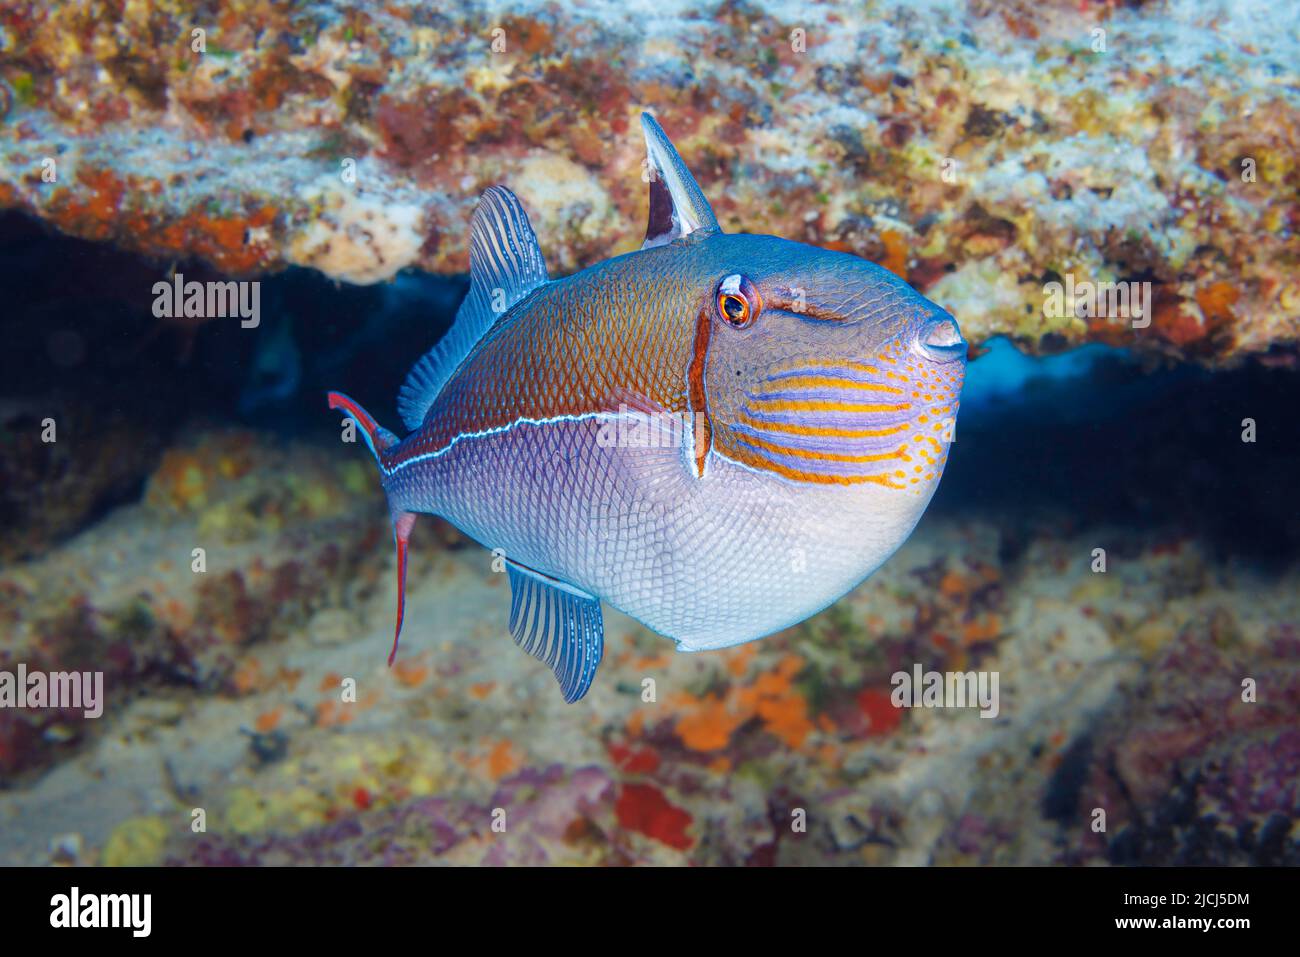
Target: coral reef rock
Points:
x,y
982,150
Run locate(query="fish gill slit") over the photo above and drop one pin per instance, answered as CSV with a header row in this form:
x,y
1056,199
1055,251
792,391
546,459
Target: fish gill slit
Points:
x,y
697,395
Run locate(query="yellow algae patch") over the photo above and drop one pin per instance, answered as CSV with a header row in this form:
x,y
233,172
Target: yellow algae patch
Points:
x,y
247,812
356,477
298,808
340,779
1152,636
137,842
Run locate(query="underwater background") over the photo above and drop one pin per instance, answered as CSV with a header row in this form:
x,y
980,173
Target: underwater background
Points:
x,y
1116,536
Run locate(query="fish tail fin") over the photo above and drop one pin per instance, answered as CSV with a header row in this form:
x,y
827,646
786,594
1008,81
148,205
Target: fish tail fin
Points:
x,y
380,440
377,437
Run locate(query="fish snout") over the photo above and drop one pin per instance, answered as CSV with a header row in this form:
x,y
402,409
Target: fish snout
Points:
x,y
940,340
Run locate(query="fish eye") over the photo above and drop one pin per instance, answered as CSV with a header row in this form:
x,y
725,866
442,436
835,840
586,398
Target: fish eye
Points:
x,y
735,309
738,301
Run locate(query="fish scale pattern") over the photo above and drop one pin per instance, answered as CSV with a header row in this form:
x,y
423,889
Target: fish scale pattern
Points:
x,y
570,349
708,563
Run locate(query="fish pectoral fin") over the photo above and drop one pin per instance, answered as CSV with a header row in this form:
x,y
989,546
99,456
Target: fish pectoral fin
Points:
x,y
557,624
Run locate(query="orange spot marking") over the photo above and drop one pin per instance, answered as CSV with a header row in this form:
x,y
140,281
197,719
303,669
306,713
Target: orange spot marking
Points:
x,y
328,714
247,677
981,630
953,585
738,659
787,718
709,726
1216,301
502,760
895,258
651,662
411,673
783,710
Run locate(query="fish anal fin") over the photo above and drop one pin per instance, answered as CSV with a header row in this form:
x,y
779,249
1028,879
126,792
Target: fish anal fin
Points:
x,y
557,624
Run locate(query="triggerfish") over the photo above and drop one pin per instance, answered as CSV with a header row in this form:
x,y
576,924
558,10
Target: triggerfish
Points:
x,y
718,434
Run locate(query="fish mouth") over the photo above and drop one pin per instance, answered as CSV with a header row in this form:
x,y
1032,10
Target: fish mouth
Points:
x,y
941,341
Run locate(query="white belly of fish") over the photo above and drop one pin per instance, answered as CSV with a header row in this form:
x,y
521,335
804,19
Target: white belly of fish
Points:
x,y
710,562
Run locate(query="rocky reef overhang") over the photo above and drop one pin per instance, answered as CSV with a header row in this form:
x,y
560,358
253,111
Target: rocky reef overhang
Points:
x,y
982,150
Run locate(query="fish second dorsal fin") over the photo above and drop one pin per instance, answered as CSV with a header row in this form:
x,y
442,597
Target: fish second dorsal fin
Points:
x,y
677,204
557,624
505,265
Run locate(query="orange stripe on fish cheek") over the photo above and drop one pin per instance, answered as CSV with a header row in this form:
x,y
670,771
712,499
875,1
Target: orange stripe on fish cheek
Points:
x,y
699,400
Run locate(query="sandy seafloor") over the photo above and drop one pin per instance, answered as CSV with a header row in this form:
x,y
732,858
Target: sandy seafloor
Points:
x,y
1118,690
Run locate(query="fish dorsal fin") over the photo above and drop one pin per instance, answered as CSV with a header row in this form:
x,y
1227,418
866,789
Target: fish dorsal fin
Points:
x,y
557,624
677,204
505,265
